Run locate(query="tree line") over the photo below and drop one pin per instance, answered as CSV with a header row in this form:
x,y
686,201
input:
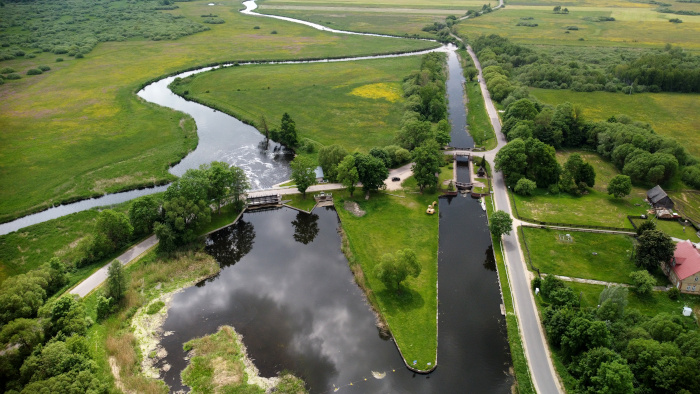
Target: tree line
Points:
x,y
615,70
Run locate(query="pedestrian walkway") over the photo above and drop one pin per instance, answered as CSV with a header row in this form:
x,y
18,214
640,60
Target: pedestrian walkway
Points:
x,y
93,281
600,282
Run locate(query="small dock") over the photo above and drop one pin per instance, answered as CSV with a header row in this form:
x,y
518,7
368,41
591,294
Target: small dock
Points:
x,y
264,201
323,199
464,185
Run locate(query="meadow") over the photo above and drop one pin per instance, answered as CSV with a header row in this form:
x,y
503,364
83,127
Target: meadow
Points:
x,y
79,130
635,25
357,105
670,114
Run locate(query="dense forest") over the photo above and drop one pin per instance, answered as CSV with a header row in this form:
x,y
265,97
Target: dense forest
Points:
x,y
74,27
591,69
615,349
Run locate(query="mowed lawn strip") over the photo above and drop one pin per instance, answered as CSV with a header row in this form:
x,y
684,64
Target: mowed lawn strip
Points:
x,y
357,105
104,138
390,224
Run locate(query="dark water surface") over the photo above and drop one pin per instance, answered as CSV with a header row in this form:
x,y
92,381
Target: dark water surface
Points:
x,y
286,287
455,107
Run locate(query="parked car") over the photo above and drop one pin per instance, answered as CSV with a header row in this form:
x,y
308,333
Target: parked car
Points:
x,y
395,179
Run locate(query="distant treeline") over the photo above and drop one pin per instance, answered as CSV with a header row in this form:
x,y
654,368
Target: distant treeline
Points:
x,y
668,70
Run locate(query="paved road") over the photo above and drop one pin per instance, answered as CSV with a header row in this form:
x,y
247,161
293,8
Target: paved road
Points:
x,y
93,281
544,377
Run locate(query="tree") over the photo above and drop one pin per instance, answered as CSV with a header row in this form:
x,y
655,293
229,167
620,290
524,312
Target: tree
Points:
x,y
303,173
413,133
328,158
646,226
288,131
500,223
117,281
525,187
470,72
239,184
557,9
620,186
143,213
22,295
442,132
394,269
347,173
426,163
182,218
512,160
612,301
643,282
542,166
66,315
219,177
654,246
381,154
115,227
371,172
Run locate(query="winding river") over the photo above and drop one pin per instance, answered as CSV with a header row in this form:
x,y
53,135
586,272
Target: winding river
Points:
x,y
286,286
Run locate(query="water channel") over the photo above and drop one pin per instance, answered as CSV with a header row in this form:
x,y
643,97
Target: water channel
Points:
x,y
286,287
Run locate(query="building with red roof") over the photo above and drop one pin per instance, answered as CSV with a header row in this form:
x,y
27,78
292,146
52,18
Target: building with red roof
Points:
x,y
684,269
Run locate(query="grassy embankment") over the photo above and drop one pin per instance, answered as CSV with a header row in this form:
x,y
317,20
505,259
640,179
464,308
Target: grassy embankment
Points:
x,y
357,105
478,122
390,224
104,138
30,247
635,25
517,351
670,114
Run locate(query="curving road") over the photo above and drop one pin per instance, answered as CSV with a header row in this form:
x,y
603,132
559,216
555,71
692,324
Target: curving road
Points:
x,y
542,370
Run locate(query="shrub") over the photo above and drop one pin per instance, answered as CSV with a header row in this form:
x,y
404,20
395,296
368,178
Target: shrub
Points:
x,y
7,70
256,27
673,293
154,307
59,59
571,28
525,187
104,307
34,71
12,76
675,20
79,56
273,32
44,68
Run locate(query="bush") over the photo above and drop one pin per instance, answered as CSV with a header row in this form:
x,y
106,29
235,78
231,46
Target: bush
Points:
x,y
104,307
536,283
59,59
571,28
525,187
44,68
154,307
79,56
34,71
273,32
12,76
673,293
7,70
256,27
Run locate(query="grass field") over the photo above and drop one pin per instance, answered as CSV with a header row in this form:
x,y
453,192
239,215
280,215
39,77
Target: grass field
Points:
x,y
674,229
357,105
478,122
634,26
553,254
670,114
688,202
390,224
79,130
439,4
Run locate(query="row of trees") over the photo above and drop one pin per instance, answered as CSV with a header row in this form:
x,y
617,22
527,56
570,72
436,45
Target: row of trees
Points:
x,y
669,69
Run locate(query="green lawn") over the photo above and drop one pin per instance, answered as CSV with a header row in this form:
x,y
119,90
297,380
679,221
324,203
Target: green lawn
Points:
x,y
675,229
390,224
553,254
670,114
104,138
297,201
354,104
688,203
594,208
480,127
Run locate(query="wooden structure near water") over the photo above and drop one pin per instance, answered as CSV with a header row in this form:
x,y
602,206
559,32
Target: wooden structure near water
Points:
x,y
464,185
264,201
